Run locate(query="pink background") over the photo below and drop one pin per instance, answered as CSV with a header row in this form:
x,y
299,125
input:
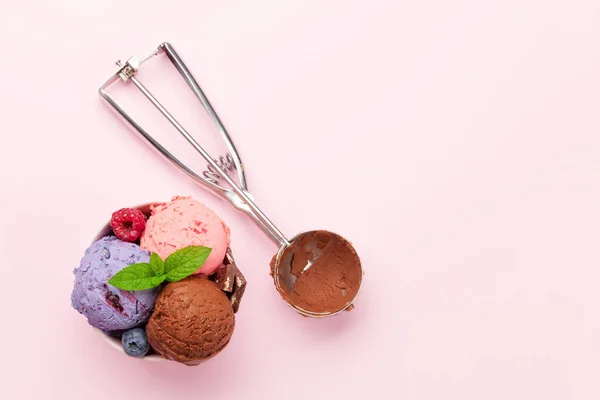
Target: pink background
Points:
x,y
457,144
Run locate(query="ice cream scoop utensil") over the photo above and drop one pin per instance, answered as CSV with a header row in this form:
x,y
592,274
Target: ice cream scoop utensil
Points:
x,y
218,177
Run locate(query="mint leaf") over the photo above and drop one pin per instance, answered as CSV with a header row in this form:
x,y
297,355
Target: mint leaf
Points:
x,y
135,277
157,280
157,264
184,262
181,264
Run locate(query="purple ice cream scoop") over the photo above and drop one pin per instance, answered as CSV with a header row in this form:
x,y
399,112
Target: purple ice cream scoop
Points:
x,y
105,306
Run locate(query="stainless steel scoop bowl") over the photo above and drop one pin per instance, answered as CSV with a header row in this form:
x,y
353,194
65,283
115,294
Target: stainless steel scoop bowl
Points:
x,y
333,287
220,171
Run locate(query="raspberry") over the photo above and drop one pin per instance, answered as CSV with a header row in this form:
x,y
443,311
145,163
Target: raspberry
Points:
x,y
128,224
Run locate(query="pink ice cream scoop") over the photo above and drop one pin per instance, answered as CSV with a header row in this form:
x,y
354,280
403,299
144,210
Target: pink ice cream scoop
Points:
x,y
186,222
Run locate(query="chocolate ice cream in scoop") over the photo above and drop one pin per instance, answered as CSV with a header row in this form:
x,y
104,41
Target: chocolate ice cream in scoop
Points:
x,y
318,273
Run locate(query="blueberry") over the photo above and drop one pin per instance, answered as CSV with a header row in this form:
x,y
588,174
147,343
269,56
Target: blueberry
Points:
x,y
135,343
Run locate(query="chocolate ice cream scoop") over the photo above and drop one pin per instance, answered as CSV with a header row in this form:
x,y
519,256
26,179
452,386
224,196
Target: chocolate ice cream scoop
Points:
x,y
318,272
193,320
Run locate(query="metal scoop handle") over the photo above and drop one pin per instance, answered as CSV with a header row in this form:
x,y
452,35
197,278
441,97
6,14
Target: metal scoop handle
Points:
x,y
238,196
